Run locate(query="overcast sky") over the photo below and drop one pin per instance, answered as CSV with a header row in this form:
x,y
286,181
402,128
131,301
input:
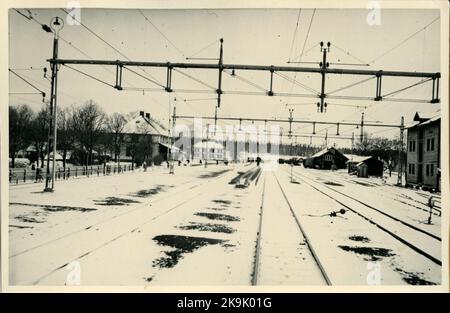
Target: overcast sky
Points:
x,y
262,37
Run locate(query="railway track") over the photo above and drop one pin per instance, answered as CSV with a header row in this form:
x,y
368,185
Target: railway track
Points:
x,y
265,229
424,207
419,240
129,229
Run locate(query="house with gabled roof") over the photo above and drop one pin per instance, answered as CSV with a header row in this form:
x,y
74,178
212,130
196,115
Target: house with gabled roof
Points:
x,y
145,140
326,159
423,150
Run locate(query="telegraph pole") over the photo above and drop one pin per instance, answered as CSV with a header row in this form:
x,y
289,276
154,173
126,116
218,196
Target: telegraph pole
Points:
x,y
56,24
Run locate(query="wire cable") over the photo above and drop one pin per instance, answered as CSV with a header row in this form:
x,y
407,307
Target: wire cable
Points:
x,y
89,75
404,41
161,33
295,34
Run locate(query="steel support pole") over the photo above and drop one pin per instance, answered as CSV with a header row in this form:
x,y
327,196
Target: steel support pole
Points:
x,y
400,153
52,121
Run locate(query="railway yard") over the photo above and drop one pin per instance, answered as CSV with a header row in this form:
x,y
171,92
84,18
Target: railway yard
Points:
x,y
236,224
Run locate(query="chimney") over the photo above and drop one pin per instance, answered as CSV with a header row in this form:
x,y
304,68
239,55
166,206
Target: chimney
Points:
x,y
141,113
147,116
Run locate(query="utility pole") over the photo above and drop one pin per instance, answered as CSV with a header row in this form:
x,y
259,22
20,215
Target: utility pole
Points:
x,y
323,65
172,166
207,139
291,111
219,88
56,24
361,136
400,153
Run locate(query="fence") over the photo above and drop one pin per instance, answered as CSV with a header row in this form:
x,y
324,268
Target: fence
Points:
x,y
24,175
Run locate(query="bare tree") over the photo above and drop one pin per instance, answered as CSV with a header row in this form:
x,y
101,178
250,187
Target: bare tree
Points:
x,y
115,125
89,121
19,127
39,134
66,132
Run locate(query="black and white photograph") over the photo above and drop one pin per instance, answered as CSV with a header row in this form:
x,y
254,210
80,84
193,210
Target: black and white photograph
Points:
x,y
284,147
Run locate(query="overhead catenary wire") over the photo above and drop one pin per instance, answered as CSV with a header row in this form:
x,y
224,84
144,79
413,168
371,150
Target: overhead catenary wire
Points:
x,y
297,83
404,41
351,55
350,85
104,41
246,81
161,33
304,53
194,79
69,43
304,45
405,88
202,49
29,83
144,77
294,37
89,75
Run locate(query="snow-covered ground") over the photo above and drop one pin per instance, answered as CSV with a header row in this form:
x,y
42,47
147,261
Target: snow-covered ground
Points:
x,y
200,226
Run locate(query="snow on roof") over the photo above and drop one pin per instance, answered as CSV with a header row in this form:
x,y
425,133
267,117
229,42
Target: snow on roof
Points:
x,y
321,152
420,116
356,158
142,125
424,119
57,156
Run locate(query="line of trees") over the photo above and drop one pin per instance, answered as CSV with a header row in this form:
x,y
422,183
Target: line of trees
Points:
x,y
86,131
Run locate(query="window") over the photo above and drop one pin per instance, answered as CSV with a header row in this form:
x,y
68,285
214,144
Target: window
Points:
x,y
411,169
412,146
328,157
430,144
427,170
431,169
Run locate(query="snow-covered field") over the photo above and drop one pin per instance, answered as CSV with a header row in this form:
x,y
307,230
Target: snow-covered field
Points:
x,y
223,225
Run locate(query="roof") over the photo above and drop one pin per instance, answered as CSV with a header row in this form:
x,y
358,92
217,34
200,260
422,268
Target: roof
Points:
x,y
142,125
421,116
320,153
168,146
324,151
357,158
422,119
57,156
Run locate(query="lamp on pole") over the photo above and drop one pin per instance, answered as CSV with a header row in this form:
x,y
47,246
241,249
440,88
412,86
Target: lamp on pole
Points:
x,y
56,24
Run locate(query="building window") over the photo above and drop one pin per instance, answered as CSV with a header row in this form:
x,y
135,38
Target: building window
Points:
x,y
430,144
411,169
328,157
427,170
412,146
431,169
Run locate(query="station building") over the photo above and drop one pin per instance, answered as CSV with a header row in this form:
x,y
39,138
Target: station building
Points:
x,y
326,158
